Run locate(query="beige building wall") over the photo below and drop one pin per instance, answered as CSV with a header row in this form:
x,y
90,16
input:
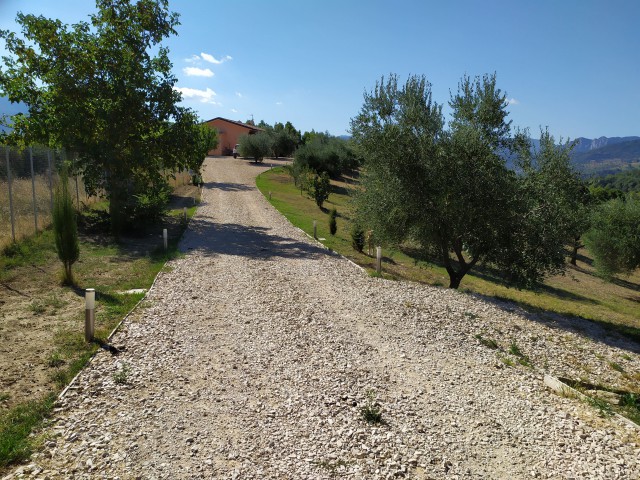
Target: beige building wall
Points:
x,y
229,133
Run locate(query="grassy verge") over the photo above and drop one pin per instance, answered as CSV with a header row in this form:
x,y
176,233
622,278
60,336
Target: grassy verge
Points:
x,y
579,293
105,265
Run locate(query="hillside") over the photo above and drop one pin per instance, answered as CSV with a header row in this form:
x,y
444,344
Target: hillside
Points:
x,y
609,159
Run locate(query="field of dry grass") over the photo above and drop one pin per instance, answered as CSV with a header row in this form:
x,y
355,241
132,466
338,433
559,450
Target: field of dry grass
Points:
x,y
23,211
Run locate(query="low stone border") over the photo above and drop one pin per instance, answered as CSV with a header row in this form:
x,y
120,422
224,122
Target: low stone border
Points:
x,y
566,391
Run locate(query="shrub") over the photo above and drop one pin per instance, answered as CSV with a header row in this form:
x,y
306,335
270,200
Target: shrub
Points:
x,y
326,154
333,226
256,146
321,188
357,238
148,206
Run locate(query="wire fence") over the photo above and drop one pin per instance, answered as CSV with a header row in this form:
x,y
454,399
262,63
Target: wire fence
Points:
x,y
28,179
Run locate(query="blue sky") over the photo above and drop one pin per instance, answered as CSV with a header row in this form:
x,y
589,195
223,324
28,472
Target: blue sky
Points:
x,y
571,65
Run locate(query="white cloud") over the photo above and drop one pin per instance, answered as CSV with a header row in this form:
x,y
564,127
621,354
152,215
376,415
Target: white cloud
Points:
x,y
198,72
233,110
211,59
205,96
192,59
238,94
278,103
513,101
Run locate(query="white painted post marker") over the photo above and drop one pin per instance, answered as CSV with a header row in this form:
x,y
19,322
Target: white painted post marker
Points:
x,y
379,260
315,229
165,238
89,313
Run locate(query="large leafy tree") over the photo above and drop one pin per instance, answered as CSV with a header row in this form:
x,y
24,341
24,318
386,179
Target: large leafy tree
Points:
x,y
448,190
103,89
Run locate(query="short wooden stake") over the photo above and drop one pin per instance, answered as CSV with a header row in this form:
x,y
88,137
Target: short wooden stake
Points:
x,y
269,195
194,200
89,314
184,211
379,260
315,229
165,238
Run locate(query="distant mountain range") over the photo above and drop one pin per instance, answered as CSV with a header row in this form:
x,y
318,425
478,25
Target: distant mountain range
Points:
x,y
616,154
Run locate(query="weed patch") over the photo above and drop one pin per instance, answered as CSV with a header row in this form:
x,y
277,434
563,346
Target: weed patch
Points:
x,y
121,377
371,412
17,424
487,342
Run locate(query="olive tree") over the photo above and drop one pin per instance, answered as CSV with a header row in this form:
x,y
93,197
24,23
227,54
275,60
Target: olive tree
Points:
x,y
447,188
614,236
256,146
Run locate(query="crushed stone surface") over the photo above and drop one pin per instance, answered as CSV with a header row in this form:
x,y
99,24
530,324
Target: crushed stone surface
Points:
x,y
256,353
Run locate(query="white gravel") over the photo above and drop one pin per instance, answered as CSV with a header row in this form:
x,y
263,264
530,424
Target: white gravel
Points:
x,y
254,353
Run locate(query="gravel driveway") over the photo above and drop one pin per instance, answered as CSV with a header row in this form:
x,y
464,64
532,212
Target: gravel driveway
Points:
x,y
254,354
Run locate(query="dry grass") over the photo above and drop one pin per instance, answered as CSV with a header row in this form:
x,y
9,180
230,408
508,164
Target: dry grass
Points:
x,y
22,194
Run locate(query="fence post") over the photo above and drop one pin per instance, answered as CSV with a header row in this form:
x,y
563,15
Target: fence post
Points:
x,y
33,189
315,229
13,226
379,260
165,239
50,179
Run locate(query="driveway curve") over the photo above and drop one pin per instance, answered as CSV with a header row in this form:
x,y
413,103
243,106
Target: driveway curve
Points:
x,y
257,351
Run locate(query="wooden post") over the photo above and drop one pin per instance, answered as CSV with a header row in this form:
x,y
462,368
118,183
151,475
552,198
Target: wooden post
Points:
x,y
33,190
269,195
315,229
165,239
90,314
13,222
379,260
184,211
50,179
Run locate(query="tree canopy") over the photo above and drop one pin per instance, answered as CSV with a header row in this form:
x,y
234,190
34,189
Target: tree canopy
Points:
x,y
614,236
103,89
447,188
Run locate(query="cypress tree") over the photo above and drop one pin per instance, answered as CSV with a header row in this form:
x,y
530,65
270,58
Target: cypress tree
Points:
x,y
65,227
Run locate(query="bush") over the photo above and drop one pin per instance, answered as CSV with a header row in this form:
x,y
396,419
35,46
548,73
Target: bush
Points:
x,y
256,146
357,238
148,206
614,237
333,226
321,188
326,154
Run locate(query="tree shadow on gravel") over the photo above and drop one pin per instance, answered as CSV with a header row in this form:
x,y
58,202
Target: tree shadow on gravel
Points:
x,y
619,336
250,242
229,187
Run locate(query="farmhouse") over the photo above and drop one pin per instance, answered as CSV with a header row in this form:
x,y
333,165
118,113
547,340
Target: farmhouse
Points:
x,y
229,132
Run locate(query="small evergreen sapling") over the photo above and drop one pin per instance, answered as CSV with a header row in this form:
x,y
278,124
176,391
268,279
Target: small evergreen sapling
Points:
x,y
65,227
357,238
333,226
